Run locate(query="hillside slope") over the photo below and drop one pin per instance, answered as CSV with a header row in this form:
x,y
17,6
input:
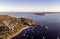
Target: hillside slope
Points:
x,y
9,26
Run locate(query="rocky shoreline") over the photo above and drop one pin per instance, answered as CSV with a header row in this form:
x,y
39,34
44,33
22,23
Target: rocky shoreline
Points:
x,y
11,26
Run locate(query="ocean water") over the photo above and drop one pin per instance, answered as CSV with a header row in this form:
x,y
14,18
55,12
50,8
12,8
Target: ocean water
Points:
x,y
52,20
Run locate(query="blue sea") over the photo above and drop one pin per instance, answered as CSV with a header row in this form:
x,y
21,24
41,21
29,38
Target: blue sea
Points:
x,y
52,20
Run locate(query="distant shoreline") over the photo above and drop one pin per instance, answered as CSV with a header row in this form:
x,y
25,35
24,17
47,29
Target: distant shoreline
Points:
x,y
29,12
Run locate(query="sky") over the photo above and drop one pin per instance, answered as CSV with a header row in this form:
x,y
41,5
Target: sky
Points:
x,y
29,5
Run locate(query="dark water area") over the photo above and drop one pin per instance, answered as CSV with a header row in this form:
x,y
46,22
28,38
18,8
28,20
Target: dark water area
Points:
x,y
52,20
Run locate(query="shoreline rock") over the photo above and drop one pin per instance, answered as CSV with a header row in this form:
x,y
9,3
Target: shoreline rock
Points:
x,y
27,21
11,26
